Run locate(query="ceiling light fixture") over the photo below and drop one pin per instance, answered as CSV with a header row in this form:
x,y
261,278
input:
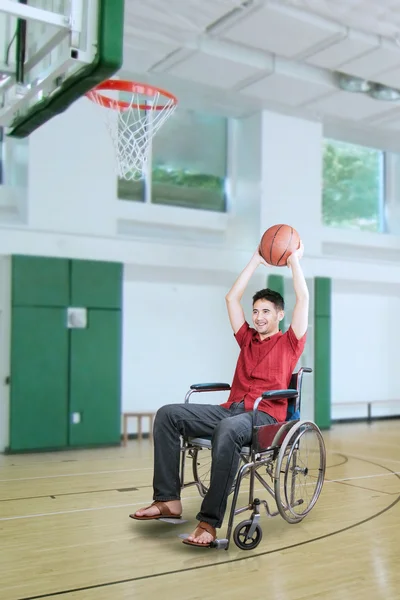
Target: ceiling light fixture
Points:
x,y
348,83
381,92
357,85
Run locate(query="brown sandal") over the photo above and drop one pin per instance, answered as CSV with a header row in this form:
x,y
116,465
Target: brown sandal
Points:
x,y
165,513
207,527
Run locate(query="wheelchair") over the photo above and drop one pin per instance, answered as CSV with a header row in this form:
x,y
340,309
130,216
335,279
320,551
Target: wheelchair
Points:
x,y
291,454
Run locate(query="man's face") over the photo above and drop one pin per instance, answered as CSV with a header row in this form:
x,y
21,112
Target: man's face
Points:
x,y
266,318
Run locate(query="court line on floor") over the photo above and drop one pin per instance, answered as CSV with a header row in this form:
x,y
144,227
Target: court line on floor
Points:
x,y
361,477
363,487
229,561
107,472
367,457
79,510
75,474
67,512
391,446
79,493
103,473
58,495
339,464
16,465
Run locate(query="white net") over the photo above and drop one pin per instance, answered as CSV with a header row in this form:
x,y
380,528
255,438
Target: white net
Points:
x,y
132,124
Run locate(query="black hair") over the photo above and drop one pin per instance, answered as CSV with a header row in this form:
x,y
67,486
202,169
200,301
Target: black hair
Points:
x,y
270,295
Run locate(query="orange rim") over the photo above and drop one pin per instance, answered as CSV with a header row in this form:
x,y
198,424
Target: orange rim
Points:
x,y
128,86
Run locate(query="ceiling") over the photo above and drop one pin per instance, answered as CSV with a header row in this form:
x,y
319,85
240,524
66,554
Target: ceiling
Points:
x,y
235,56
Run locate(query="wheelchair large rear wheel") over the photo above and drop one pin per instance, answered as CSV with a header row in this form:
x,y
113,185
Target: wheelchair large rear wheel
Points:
x,y
201,467
299,471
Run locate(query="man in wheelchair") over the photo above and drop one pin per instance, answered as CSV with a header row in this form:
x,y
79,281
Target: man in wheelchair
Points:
x,y
266,362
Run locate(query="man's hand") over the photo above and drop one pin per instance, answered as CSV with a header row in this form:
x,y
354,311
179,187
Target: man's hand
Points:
x,y
296,255
258,258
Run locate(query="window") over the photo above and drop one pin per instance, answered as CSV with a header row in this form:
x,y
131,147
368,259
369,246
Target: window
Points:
x,y
353,186
187,164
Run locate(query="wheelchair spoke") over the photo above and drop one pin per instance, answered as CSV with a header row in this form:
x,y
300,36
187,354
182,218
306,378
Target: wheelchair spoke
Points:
x,y
201,464
201,467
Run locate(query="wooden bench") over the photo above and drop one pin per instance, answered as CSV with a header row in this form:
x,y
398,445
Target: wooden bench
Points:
x,y
138,415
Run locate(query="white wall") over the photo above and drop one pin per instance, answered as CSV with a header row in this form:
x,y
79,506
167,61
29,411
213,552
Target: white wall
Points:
x,y
188,259
173,321
71,174
176,333
365,357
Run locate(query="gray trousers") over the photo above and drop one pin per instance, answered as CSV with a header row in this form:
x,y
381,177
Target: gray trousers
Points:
x,y
230,430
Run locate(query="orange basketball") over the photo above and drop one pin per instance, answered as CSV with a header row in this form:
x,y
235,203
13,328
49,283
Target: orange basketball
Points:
x,y
278,243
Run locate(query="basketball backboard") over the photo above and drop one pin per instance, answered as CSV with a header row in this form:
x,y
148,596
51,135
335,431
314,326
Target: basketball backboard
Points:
x,y
52,53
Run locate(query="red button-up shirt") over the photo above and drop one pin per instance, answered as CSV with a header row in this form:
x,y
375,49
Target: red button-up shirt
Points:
x,y
264,365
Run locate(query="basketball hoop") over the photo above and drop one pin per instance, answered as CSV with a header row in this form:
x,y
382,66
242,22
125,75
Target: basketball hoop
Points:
x,y
138,120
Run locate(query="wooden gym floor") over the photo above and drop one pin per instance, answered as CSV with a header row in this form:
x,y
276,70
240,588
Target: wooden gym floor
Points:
x,y
65,531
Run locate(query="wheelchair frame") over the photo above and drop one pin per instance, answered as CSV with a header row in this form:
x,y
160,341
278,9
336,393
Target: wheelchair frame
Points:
x,y
271,446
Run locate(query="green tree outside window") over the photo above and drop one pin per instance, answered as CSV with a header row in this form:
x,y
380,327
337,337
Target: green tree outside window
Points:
x,y
352,186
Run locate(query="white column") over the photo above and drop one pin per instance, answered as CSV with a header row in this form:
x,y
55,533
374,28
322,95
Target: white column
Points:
x,y
292,176
291,184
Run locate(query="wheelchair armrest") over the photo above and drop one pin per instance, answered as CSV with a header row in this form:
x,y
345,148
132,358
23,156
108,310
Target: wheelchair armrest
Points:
x,y
275,395
280,394
210,387
207,387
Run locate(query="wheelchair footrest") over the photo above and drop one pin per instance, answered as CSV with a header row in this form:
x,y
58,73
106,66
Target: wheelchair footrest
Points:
x,y
172,521
219,544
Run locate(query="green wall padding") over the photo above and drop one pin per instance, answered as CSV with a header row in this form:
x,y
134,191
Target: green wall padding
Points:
x,y
322,352
95,380
40,281
277,284
57,371
39,378
96,284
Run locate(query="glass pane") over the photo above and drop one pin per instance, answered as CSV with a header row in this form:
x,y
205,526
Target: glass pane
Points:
x,y
189,161
352,186
130,190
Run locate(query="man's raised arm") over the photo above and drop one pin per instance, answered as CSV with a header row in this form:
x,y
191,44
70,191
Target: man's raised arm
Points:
x,y
234,296
300,312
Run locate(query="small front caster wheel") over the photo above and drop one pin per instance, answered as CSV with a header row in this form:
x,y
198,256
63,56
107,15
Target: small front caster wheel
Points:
x,y
242,539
